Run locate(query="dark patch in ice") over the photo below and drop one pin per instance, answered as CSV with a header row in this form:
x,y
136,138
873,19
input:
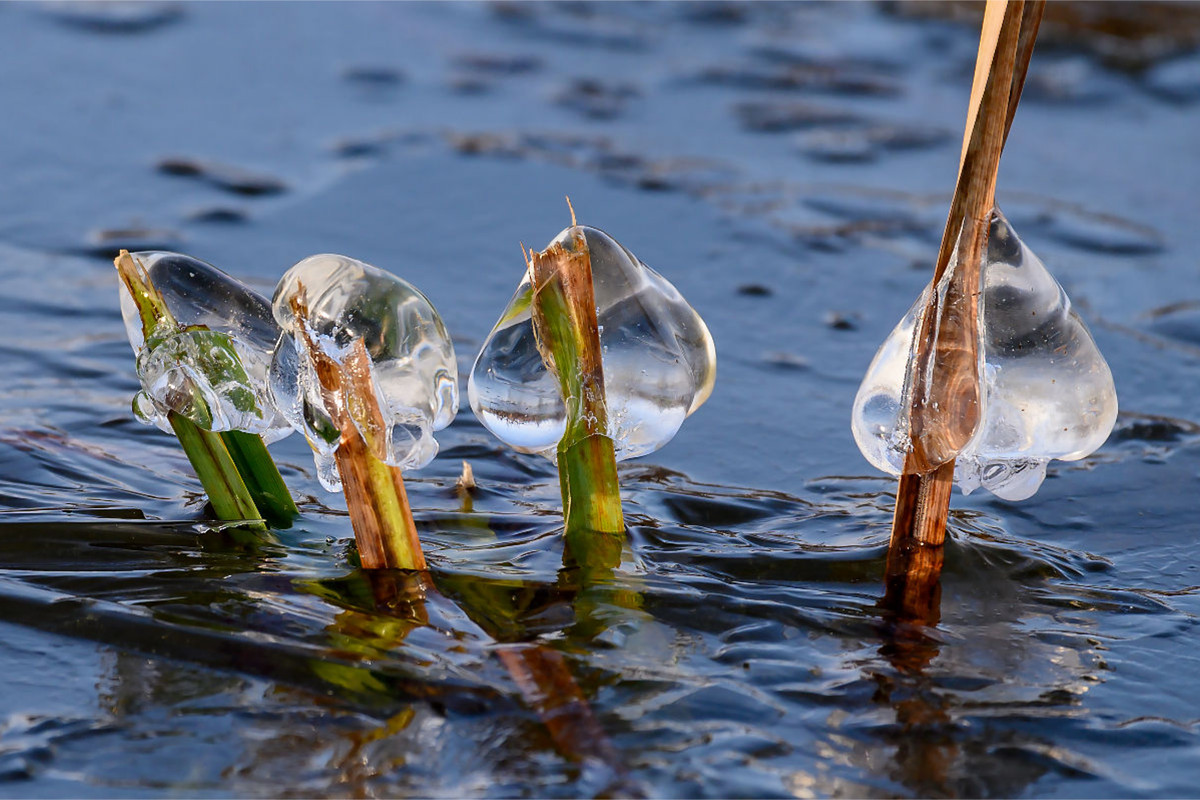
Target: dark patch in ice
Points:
x,y
868,142
867,208
1149,428
572,24
108,16
595,154
235,180
842,321
715,12
596,98
374,76
377,144
497,64
1178,321
781,359
1075,81
846,77
468,84
1177,81
109,242
1101,233
780,116
222,215
358,148
754,290
496,145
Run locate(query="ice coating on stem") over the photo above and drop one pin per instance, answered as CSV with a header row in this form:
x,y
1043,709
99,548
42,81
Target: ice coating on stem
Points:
x,y
1047,391
211,367
412,365
659,360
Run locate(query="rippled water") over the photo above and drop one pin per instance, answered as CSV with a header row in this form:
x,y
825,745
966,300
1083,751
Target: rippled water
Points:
x,y
786,168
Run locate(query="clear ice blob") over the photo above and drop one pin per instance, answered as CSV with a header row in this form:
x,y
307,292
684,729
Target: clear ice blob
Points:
x,y
658,357
212,367
1047,391
412,364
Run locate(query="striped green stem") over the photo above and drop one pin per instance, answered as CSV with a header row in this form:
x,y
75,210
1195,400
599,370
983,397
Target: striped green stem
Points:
x,y
568,336
237,473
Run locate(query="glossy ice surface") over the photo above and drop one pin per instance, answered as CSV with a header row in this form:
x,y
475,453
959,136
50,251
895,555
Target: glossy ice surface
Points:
x,y
213,368
1048,392
412,359
659,360
145,659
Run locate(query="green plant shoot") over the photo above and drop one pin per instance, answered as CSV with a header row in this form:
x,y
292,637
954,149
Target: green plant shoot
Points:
x,y
235,469
568,337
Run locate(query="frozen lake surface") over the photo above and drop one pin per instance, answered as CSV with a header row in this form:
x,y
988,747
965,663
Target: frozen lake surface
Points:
x,y
788,168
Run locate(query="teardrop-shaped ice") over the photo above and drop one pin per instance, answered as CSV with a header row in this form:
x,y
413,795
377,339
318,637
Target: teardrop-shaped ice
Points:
x,y
658,357
212,368
1047,391
413,369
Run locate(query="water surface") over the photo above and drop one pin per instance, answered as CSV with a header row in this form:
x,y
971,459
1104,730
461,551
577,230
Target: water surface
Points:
x,y
787,168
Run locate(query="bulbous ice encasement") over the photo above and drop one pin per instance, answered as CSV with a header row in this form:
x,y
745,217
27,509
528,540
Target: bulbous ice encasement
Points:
x,y
412,364
1047,392
211,365
659,361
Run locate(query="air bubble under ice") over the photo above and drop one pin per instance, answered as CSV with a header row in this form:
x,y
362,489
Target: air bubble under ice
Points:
x,y
658,358
1047,391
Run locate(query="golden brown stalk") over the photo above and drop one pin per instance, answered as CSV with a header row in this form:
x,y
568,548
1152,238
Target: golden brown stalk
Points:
x,y
944,371
375,496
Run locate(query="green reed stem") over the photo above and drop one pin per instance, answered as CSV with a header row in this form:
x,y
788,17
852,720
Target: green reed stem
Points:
x,y
230,498
233,467
261,475
564,319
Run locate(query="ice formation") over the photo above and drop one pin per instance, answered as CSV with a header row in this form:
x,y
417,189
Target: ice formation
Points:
x,y
211,367
1047,391
412,363
658,358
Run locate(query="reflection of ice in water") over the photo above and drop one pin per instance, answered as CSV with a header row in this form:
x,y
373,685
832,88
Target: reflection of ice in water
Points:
x,y
413,369
214,370
1047,391
659,360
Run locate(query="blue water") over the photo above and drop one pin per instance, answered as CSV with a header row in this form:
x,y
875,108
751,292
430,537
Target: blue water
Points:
x,y
788,168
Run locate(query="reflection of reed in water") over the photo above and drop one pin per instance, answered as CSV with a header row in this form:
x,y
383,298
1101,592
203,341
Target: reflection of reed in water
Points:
x,y
963,686
281,743
543,677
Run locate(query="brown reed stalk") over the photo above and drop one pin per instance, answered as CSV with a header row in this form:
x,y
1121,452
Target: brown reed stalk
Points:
x,y
384,530
944,371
